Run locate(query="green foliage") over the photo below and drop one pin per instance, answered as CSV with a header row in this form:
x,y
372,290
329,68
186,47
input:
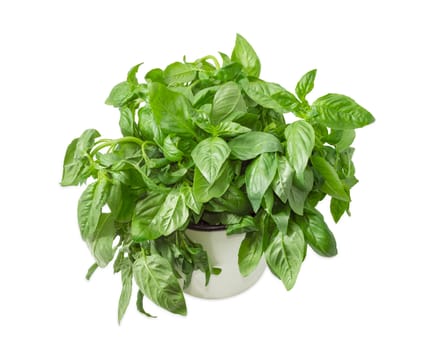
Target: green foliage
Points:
x,y
205,142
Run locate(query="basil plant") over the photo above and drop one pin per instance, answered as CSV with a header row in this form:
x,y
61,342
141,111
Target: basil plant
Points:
x,y
206,142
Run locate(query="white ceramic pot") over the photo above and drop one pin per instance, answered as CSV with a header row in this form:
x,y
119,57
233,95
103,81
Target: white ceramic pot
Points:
x,y
222,252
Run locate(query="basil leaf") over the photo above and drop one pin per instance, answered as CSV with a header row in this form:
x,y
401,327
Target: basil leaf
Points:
x,y
204,191
209,156
244,54
285,253
229,72
261,92
250,252
317,233
300,190
101,242
246,224
286,100
305,85
228,99
144,213
340,112
172,111
300,141
120,94
148,127
332,185
155,75
233,201
127,285
90,206
190,200
346,140
172,214
283,180
226,129
75,165
171,150
154,276
179,73
131,75
91,271
338,208
252,144
121,202
126,121
258,177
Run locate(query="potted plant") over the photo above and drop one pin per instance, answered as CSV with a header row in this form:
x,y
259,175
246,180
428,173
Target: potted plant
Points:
x,y
205,146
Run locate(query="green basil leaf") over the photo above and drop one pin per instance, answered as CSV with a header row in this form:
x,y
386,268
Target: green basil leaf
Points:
x,y
305,85
75,166
244,54
148,127
171,150
340,112
228,99
154,276
261,92
179,73
300,141
209,156
286,100
285,254
101,241
229,129
258,177
250,252
90,206
300,190
283,180
246,224
338,208
204,191
155,76
145,212
121,202
332,185
233,201
120,94
317,234
229,72
131,75
172,215
252,144
126,121
127,285
204,96
346,140
190,200
172,111
281,217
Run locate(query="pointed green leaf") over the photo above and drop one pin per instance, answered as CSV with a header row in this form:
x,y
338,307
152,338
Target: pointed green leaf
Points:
x,y
228,99
154,276
254,143
172,110
244,54
258,177
250,252
332,185
285,254
341,112
305,84
283,180
209,156
300,141
90,206
317,233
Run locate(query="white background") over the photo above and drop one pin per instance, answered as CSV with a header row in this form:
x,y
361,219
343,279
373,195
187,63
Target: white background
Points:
x,y
59,60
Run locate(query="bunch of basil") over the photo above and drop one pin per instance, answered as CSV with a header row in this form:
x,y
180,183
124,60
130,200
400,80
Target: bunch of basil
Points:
x,y
205,142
